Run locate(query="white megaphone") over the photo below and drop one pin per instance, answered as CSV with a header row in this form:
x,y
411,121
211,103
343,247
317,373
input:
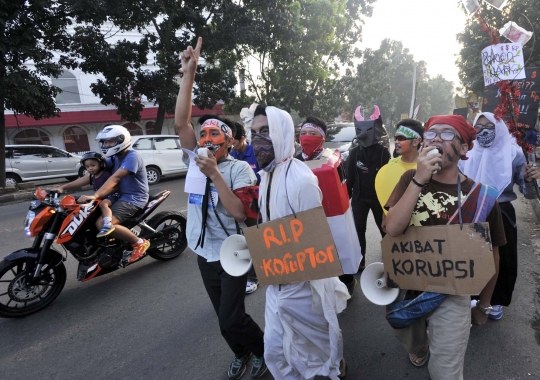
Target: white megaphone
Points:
x,y
234,256
373,285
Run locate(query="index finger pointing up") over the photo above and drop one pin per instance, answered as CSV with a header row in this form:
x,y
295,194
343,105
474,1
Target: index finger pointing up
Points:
x,y
199,45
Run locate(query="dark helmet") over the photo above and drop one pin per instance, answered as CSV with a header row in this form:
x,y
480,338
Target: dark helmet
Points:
x,y
94,156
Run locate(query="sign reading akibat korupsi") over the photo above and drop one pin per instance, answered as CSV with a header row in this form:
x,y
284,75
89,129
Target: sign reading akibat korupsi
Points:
x,y
293,249
442,259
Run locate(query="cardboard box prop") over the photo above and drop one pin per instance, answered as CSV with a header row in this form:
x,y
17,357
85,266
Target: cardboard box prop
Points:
x,y
290,249
329,172
442,259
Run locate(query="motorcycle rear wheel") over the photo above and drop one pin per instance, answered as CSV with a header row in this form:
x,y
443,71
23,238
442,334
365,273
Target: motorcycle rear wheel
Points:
x,y
178,240
18,300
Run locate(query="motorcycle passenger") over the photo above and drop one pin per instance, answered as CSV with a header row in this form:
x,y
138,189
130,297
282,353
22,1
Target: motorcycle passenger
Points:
x,y
95,164
129,176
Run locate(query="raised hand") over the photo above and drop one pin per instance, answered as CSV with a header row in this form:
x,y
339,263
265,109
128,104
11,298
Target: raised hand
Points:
x,y
190,58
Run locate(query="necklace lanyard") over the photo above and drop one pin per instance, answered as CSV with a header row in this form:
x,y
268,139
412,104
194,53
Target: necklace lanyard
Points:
x,y
459,202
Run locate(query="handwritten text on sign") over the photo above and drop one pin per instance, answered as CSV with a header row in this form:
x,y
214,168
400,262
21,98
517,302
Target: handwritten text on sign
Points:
x,y
441,259
290,249
502,62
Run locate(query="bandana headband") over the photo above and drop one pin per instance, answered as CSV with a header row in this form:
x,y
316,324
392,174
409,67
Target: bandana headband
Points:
x,y
219,124
407,132
316,127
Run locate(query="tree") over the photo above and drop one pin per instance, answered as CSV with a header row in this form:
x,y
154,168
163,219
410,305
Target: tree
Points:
x,y
167,28
29,33
474,39
297,49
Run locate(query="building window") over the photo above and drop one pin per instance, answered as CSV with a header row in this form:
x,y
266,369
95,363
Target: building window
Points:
x,y
31,136
134,129
70,89
76,140
150,127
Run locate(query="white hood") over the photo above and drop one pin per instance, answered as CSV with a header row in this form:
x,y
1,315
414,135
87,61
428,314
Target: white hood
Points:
x,y
293,184
492,165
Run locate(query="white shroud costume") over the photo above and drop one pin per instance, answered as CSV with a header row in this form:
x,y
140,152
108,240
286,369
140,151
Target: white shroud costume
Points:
x,y
302,338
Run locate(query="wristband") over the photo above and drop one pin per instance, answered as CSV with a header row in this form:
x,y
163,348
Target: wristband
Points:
x,y
417,183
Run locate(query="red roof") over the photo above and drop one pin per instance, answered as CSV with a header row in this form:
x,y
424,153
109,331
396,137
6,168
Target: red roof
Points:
x,y
95,116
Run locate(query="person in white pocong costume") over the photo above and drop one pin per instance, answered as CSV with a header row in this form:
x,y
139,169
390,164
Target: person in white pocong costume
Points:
x,y
302,336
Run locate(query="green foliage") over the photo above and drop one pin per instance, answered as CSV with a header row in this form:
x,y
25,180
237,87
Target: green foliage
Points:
x,y
167,28
473,39
235,105
293,56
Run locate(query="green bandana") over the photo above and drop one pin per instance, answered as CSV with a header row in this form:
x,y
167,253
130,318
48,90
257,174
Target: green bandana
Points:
x,y
407,132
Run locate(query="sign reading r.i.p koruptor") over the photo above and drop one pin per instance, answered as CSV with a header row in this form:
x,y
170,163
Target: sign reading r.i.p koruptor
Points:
x,y
442,259
293,249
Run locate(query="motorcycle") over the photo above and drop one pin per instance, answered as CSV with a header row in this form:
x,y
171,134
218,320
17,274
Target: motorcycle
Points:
x,y
32,278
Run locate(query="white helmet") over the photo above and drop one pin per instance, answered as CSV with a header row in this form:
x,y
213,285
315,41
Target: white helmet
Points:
x,y
114,132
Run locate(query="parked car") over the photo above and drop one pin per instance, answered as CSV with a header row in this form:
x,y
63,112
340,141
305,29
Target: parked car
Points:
x,y
161,154
342,137
36,162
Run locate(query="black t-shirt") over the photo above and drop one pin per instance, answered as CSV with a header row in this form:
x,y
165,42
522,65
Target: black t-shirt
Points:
x,y
363,165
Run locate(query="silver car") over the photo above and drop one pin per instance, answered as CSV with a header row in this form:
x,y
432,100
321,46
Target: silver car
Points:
x,y
36,162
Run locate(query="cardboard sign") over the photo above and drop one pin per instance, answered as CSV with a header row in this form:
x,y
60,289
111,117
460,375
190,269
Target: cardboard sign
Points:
x,y
502,62
290,249
527,102
442,259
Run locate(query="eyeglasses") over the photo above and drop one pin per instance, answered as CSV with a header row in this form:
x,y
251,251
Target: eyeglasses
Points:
x,y
445,136
484,126
403,138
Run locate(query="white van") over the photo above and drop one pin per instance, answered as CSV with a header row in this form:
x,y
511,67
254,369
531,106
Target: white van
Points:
x,y
161,154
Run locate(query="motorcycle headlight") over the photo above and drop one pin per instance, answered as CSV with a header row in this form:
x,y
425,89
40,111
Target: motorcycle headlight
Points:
x,y
34,204
28,222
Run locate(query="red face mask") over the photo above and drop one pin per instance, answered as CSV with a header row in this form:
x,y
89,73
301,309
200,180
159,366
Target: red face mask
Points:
x,y
311,145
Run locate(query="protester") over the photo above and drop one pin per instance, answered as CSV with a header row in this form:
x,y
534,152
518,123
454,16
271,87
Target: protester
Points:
x,y
430,196
129,179
302,335
364,163
312,135
497,161
209,223
242,150
408,140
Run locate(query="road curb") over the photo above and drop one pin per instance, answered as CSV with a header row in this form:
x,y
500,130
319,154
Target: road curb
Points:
x,y
22,196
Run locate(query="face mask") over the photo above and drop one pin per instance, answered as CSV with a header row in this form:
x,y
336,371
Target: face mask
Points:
x,y
485,137
312,146
264,150
216,144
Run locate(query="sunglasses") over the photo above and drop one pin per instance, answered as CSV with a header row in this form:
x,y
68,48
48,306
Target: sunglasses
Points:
x,y
403,138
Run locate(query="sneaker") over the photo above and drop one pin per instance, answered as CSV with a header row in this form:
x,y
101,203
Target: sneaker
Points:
x,y
238,366
251,287
352,286
105,230
138,251
259,367
496,313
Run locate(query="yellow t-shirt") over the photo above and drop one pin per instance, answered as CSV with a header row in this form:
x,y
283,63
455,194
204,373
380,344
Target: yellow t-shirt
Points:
x,y
388,177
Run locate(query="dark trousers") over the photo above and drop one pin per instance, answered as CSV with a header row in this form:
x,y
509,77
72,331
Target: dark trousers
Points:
x,y
508,259
252,275
360,209
227,294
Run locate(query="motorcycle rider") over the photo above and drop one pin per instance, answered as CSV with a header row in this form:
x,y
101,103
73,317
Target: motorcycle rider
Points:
x,y
129,177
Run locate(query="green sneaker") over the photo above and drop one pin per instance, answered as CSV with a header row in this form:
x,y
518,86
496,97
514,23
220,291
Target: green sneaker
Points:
x,y
238,366
258,368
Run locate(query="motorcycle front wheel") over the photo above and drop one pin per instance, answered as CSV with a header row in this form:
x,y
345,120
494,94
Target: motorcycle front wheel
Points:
x,y
19,300
175,238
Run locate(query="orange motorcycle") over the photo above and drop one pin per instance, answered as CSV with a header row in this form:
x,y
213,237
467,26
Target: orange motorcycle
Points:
x,y
31,278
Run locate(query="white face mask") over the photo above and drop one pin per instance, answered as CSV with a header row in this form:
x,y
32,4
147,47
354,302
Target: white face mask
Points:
x,y
485,137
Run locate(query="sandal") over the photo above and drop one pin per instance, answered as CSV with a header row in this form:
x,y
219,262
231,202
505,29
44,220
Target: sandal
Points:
x,y
419,361
342,369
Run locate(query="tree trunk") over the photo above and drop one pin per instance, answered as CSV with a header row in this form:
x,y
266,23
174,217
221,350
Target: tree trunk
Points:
x,y
158,127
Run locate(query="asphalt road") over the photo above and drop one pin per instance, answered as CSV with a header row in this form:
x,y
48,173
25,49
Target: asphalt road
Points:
x,y
154,320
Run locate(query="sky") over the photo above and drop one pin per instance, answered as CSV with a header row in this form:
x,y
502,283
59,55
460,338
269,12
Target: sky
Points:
x,y
427,28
